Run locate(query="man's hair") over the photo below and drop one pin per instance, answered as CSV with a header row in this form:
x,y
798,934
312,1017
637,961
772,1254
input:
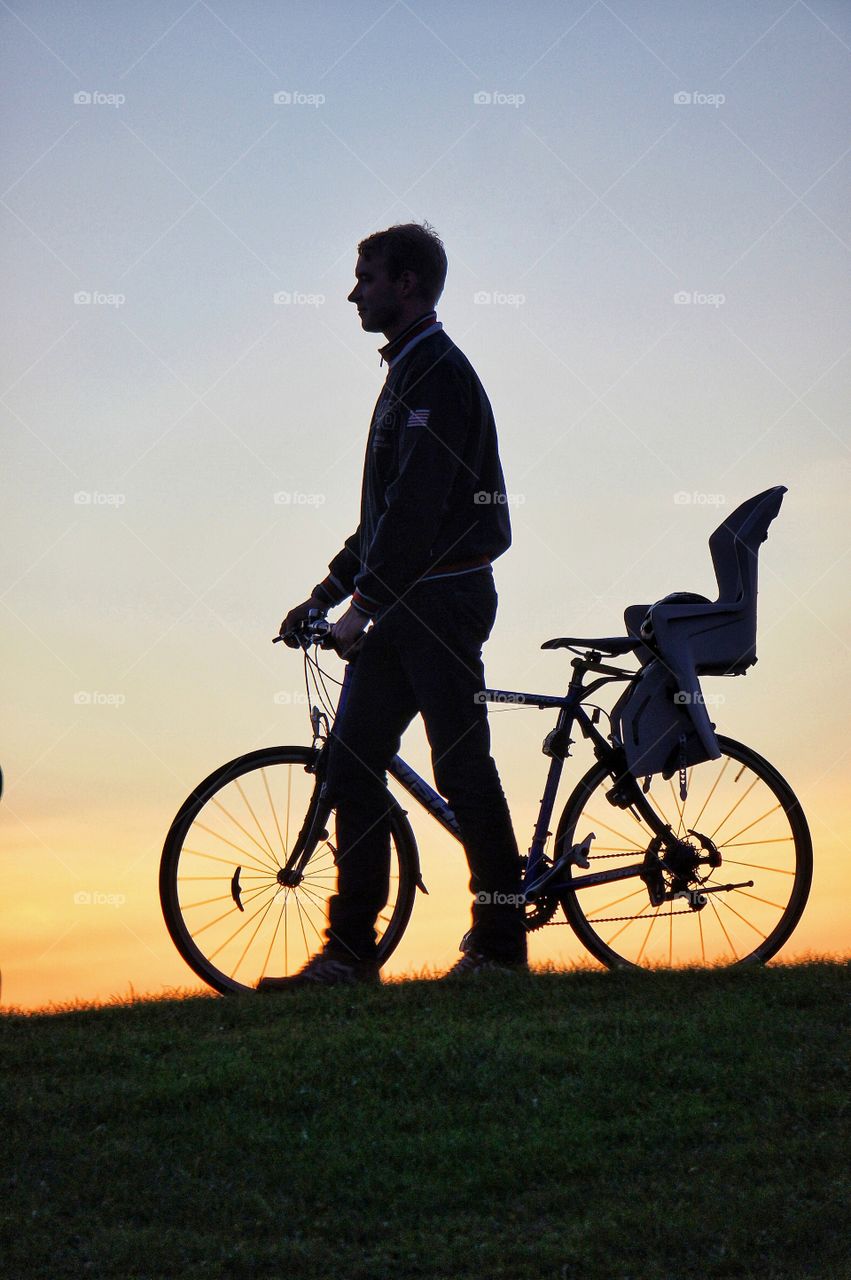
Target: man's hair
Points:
x,y
408,246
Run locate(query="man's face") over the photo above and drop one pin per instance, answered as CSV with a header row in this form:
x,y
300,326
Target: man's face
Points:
x,y
380,302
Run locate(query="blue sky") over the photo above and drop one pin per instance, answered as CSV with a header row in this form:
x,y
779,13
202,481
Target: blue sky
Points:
x,y
654,292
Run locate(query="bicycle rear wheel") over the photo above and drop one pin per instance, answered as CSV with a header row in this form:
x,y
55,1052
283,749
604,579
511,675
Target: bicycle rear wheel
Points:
x,y
748,812
229,914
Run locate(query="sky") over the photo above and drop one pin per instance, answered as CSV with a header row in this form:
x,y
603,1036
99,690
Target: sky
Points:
x,y
644,207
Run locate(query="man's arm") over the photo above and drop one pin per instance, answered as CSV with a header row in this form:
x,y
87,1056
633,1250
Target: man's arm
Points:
x,y
339,582
332,590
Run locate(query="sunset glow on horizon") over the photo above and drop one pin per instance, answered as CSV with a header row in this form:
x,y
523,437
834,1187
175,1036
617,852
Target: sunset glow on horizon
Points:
x,y
645,214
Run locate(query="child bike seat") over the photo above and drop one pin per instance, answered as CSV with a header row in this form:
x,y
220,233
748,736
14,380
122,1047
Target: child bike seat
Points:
x,y
661,720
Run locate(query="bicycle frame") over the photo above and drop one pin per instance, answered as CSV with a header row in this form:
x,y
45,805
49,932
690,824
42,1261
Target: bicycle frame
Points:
x,y
557,743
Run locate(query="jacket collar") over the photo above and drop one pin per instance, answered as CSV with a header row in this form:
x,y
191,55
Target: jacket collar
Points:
x,y
418,328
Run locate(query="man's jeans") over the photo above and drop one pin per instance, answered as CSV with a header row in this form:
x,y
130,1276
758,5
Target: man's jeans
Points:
x,y
423,654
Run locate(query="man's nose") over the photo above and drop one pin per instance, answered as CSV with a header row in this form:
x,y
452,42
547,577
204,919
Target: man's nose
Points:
x,y
353,296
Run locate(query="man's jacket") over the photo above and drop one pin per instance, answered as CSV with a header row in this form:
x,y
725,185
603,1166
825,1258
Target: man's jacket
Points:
x,y
433,498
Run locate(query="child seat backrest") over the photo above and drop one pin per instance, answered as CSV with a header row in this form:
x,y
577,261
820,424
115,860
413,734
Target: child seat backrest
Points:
x,y
662,718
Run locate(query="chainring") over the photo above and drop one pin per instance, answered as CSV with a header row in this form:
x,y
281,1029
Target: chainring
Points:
x,y
539,912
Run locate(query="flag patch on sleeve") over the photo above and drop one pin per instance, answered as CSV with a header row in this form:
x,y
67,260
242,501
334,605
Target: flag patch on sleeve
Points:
x,y
418,417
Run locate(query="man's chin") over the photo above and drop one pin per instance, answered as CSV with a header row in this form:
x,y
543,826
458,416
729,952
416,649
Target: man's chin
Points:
x,y
370,326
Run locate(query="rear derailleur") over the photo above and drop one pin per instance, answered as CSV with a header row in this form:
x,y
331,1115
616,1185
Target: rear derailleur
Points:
x,y
671,868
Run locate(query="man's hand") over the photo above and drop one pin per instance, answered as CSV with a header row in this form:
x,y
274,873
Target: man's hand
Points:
x,y
295,616
345,635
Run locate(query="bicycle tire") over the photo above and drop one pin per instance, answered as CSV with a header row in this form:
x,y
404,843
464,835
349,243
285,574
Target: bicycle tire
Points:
x,y
722,941
201,941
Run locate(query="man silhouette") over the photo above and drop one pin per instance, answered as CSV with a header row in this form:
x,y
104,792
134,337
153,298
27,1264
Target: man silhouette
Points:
x,y
433,518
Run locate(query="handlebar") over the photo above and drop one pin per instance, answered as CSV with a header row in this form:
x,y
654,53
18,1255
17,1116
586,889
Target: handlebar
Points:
x,y
314,629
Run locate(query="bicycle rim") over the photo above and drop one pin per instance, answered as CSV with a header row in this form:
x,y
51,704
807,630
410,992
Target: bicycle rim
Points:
x,y
748,811
229,915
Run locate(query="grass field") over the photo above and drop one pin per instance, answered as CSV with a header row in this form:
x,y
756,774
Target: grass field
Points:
x,y
626,1126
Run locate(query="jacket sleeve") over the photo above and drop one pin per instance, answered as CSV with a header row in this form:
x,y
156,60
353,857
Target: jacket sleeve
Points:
x,y
339,582
433,431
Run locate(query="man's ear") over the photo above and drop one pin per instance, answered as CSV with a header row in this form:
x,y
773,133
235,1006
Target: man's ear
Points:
x,y
409,282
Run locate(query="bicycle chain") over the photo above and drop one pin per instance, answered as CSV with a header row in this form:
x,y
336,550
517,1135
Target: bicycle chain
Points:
x,y
552,924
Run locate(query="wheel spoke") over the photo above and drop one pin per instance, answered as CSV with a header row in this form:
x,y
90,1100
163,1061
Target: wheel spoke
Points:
x,y
756,866
205,902
646,936
724,903
286,915
227,941
289,805
315,898
255,892
616,902
260,922
670,939
632,919
741,800
723,930
744,844
778,905
244,831
762,818
257,823
281,915
740,794
302,916
598,822
284,846
715,785
247,854
654,800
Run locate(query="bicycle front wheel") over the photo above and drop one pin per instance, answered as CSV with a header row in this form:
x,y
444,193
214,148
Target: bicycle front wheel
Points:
x,y
738,912
225,897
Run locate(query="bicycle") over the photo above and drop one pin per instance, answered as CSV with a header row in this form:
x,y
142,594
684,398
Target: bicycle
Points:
x,y
721,863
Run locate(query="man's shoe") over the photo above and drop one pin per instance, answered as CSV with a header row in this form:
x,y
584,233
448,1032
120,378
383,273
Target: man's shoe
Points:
x,y
326,970
473,962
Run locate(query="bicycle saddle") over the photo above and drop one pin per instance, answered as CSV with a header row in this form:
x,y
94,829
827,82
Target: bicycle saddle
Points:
x,y
663,714
611,645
